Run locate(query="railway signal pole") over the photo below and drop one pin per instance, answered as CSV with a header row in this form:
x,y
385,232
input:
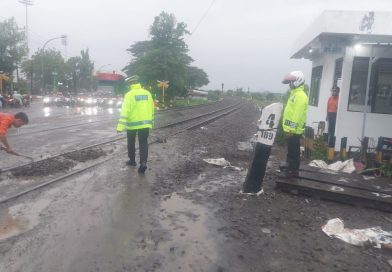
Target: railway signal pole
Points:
x,y
164,84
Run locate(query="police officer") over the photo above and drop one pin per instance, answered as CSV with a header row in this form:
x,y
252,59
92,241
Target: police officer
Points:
x,y
294,119
137,116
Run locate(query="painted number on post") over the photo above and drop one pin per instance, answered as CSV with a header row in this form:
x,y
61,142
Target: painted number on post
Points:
x,y
266,137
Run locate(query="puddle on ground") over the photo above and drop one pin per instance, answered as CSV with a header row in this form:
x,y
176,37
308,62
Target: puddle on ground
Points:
x,y
245,146
11,226
213,185
201,150
20,218
191,245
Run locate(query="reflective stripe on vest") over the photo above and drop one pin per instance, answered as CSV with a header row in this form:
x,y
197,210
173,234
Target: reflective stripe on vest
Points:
x,y
139,123
290,124
141,97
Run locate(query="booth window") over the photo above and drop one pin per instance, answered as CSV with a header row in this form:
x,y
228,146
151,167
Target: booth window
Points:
x,y
315,85
358,84
382,95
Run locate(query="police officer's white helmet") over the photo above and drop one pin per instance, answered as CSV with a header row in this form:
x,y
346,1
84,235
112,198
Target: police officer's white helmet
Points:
x,y
295,78
132,79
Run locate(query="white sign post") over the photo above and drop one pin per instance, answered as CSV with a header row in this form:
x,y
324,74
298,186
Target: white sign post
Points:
x,y
264,138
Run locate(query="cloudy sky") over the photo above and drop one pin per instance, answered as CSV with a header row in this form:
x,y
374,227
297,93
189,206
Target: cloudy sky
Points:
x,y
241,43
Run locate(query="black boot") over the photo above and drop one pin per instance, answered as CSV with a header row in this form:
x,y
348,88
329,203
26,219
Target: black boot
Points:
x,y
142,168
131,163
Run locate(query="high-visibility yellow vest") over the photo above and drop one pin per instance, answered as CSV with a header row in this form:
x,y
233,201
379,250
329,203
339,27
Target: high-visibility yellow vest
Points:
x,y
137,110
294,115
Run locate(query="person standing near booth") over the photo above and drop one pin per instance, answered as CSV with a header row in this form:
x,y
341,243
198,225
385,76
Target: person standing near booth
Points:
x,y
332,109
294,120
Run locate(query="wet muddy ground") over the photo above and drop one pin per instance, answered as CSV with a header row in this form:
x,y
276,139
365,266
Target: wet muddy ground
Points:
x,y
182,215
276,231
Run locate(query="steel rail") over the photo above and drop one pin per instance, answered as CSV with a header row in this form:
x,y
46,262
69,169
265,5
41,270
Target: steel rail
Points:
x,y
110,119
64,127
63,177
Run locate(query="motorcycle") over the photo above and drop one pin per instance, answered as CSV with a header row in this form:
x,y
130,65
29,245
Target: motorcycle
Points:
x,y
26,101
13,103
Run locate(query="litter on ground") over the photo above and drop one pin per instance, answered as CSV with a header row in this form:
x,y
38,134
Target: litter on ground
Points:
x,y
222,162
374,236
345,166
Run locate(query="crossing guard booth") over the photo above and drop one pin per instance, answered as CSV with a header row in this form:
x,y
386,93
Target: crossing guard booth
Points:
x,y
351,50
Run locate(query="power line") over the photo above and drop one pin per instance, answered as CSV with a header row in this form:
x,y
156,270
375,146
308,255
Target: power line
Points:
x,y
39,37
201,19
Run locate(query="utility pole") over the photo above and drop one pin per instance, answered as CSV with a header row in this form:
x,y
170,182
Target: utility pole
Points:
x,y
27,3
64,42
223,86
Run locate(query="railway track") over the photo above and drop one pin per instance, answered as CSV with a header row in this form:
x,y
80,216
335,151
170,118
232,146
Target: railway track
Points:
x,y
173,129
108,140
108,120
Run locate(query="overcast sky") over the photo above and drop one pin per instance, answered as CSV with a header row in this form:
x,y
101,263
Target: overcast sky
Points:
x,y
241,43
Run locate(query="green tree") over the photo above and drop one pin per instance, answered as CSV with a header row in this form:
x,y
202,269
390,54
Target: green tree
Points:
x,y
258,96
230,93
73,73
46,67
196,77
270,96
165,57
79,72
12,46
86,68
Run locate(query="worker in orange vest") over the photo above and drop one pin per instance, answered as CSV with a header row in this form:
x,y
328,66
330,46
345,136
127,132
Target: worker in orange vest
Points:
x,y
332,109
7,121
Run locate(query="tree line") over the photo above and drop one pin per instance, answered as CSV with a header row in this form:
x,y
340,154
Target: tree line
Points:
x,y
45,70
164,56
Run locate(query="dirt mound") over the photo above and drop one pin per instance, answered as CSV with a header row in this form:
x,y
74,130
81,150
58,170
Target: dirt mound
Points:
x,y
85,155
59,164
44,167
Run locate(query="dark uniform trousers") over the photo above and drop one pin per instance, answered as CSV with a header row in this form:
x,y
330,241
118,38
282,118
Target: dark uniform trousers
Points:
x,y
142,135
331,118
294,152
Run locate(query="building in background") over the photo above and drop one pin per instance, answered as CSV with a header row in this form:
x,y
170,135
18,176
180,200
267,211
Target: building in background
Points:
x,y
110,83
197,94
351,50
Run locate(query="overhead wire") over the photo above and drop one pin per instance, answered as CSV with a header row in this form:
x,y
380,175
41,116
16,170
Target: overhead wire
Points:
x,y
40,37
201,19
